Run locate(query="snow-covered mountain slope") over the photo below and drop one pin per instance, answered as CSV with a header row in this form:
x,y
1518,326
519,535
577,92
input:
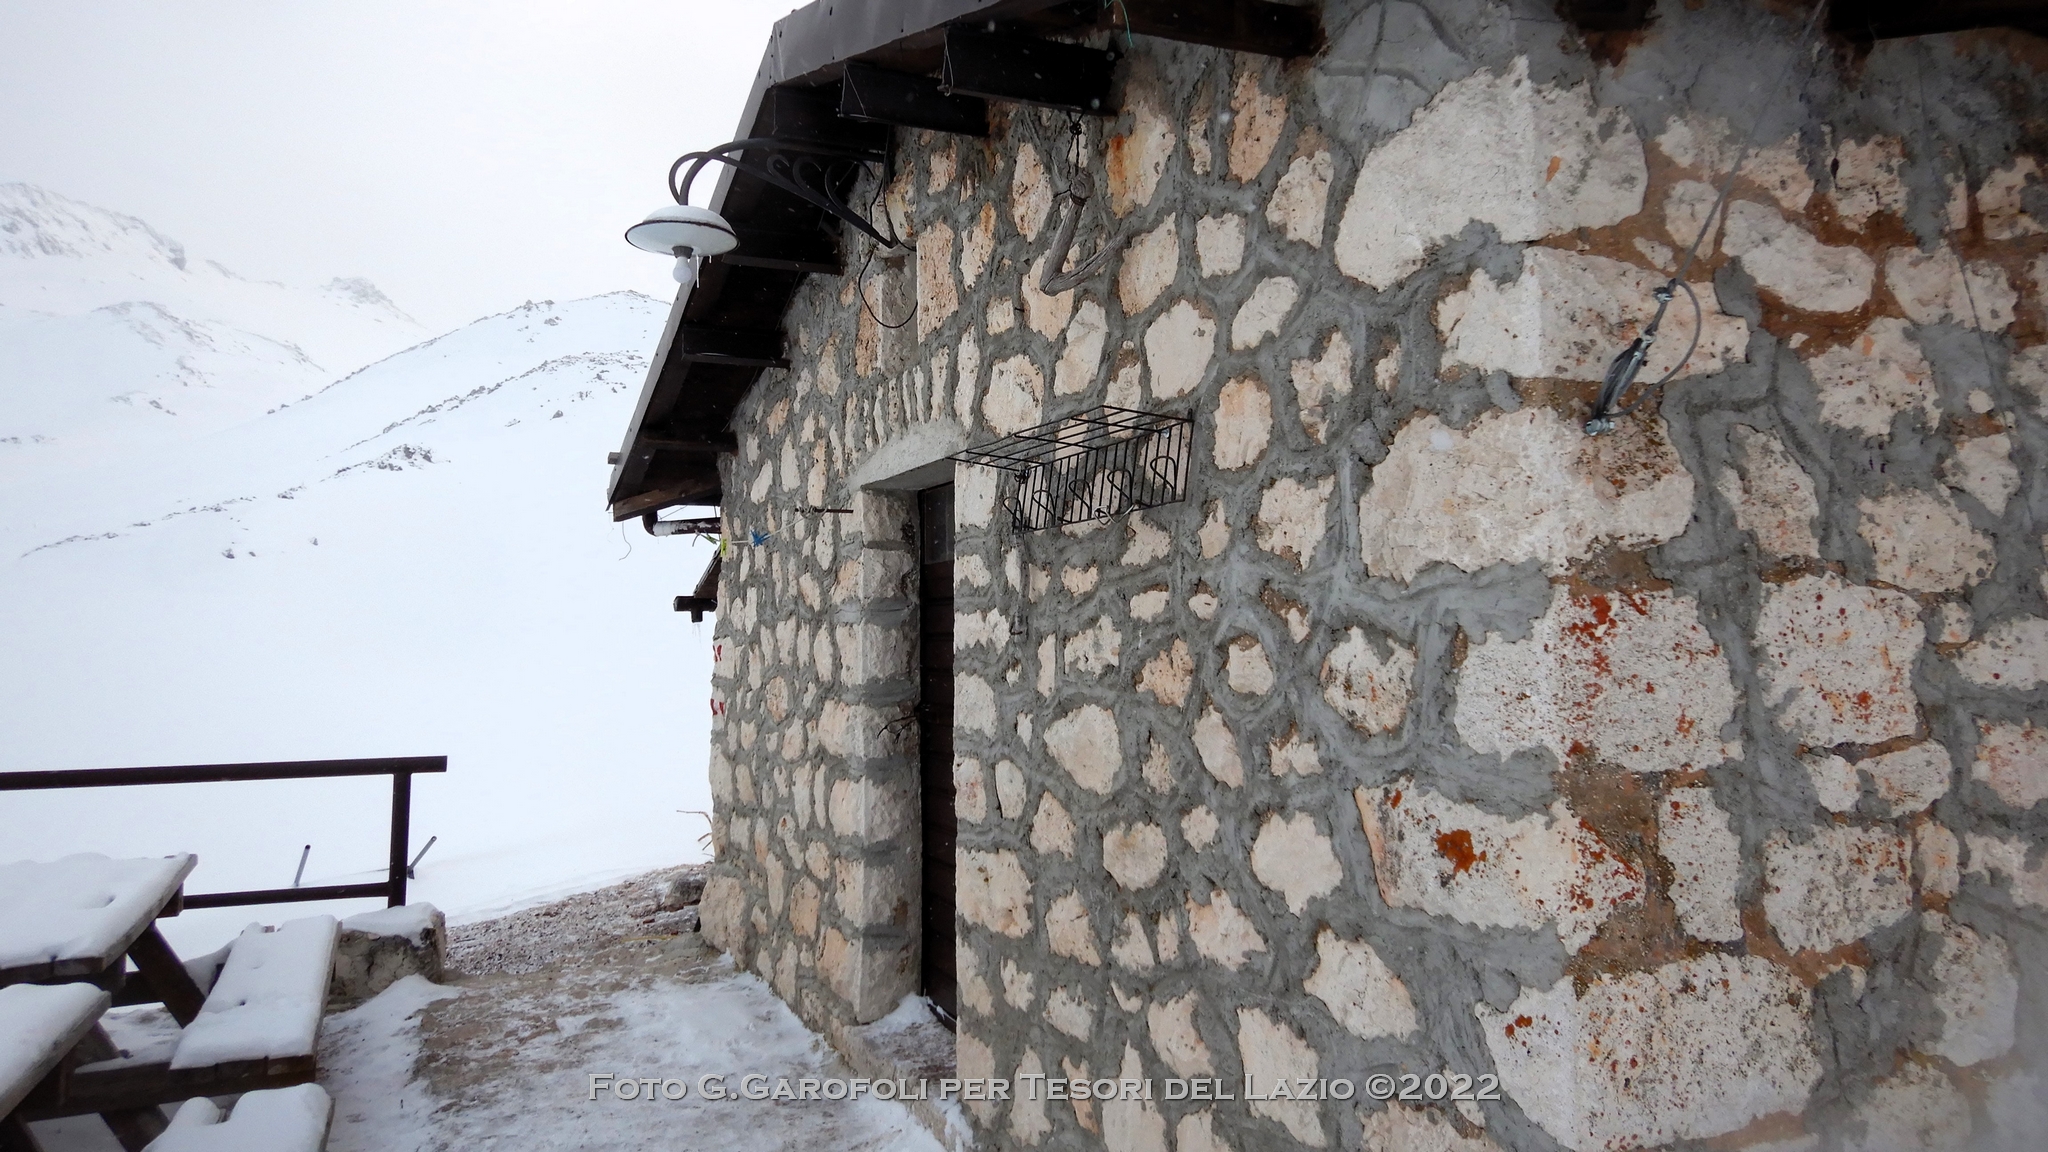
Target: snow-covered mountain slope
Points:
x,y
413,560
112,338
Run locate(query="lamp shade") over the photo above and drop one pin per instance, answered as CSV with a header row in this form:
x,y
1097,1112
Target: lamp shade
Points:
x,y
683,230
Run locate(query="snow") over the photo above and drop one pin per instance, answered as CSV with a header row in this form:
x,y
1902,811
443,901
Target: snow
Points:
x,y
112,337
545,1038
82,906
267,1002
38,1024
142,1033
274,1120
414,559
412,921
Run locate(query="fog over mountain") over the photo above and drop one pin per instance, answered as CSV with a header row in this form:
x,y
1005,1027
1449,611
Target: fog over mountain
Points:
x,y
249,521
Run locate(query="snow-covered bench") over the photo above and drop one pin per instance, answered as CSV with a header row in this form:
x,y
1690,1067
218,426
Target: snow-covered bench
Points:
x,y
276,1120
257,1029
266,1003
39,1025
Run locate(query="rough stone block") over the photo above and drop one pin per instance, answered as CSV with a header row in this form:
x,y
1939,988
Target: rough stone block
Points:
x,y
1982,466
2010,654
1531,160
1244,423
1293,518
723,913
1772,495
1453,859
1301,198
1837,660
1068,931
1906,781
1220,932
1706,863
1134,855
2013,760
994,891
1916,1108
1566,316
1216,744
1293,857
1686,1051
1149,264
1519,486
1219,244
1179,345
1786,261
1837,887
1015,398
375,950
1923,543
1975,990
1630,678
1085,742
1271,1052
1080,362
1136,160
1874,376
1931,290
872,976
1358,988
1369,690
1256,122
1263,312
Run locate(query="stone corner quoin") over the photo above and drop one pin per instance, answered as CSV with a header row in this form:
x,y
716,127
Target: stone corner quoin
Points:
x,y
1684,780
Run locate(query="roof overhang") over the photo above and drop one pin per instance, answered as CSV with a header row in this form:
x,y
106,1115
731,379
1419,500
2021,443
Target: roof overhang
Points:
x,y
721,336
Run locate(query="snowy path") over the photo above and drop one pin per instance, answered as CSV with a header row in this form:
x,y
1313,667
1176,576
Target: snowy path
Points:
x,y
505,1063
503,1059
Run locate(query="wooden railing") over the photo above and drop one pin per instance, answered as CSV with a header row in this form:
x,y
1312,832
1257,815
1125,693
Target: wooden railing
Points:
x,y
401,769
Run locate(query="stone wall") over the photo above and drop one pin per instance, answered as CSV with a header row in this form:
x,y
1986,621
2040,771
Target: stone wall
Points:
x,y
1687,778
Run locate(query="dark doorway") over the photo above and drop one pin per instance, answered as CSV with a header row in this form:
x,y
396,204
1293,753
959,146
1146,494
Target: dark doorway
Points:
x,y
938,976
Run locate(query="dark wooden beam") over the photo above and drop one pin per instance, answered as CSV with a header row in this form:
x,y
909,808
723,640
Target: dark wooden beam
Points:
x,y
1024,70
708,445
654,501
812,115
1256,26
870,93
735,347
1605,15
810,250
1868,20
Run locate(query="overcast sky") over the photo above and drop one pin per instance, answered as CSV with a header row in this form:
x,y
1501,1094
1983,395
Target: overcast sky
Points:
x,y
465,156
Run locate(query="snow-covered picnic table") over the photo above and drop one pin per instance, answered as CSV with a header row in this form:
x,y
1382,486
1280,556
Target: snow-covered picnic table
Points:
x,y
76,918
246,1020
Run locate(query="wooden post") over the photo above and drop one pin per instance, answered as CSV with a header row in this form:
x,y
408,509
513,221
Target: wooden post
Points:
x,y
401,834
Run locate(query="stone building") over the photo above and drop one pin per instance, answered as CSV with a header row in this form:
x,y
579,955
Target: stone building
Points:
x,y
1684,779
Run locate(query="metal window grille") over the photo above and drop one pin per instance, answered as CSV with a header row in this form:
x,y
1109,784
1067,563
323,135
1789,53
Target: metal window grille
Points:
x,y
1093,465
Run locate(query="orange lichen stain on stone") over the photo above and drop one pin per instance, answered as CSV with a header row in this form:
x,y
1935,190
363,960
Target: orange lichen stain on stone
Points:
x,y
1394,798
1556,162
1456,846
1518,1022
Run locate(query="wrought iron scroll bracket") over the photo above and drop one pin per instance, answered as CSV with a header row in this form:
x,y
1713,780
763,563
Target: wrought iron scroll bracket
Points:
x,y
812,172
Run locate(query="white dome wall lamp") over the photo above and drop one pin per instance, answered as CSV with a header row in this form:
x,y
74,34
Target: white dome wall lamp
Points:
x,y
688,233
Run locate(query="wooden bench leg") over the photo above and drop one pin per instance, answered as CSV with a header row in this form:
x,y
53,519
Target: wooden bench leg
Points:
x,y
15,1136
136,1127
167,977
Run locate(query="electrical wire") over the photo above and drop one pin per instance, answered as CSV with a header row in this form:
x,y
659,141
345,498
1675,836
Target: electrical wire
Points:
x,y
860,287
1622,372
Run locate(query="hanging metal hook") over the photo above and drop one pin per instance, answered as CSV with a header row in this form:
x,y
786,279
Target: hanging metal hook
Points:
x,y
1080,189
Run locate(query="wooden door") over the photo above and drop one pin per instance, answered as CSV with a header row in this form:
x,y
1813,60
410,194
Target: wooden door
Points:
x,y
937,976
